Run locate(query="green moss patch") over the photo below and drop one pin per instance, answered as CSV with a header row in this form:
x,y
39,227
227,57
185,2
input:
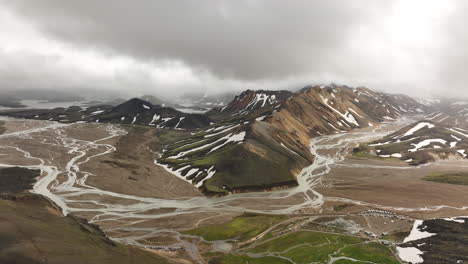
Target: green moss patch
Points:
x,y
459,178
240,228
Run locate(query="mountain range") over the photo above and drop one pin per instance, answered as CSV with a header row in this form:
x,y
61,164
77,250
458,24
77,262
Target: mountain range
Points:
x,y
260,140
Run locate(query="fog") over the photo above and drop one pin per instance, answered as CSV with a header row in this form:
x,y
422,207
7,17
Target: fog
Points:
x,y
168,48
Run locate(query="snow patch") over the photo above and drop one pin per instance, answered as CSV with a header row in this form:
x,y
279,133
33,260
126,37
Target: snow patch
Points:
x,y
417,128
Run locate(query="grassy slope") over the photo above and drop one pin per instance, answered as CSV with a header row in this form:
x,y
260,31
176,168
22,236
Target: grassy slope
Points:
x,y
30,232
2,128
302,247
241,228
460,178
305,247
237,168
240,168
237,259
367,152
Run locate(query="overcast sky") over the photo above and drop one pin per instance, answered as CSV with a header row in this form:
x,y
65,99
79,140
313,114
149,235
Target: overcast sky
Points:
x,y
170,47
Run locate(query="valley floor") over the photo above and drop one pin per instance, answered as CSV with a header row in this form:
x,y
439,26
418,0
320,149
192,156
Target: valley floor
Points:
x,y
344,209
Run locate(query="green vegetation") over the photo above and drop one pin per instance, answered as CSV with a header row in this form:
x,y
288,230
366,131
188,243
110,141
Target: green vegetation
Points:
x,y
369,252
167,136
460,178
367,152
236,167
2,127
316,247
239,168
341,207
238,259
241,228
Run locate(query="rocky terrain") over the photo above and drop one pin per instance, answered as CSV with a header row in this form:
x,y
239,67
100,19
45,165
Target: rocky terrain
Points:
x,y
33,230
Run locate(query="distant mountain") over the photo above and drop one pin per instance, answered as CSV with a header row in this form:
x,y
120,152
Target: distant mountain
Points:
x,y
134,111
423,142
262,140
156,101
205,101
140,112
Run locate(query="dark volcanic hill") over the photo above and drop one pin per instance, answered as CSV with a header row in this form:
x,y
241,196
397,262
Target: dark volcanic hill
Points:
x,y
133,111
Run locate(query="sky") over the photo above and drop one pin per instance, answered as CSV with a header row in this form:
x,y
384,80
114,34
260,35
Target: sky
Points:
x,y
168,48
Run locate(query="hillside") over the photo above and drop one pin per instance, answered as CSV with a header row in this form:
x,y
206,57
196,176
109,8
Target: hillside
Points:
x,y
264,143
33,230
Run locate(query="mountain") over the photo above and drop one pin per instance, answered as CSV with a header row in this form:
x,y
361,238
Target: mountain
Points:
x,y
422,142
264,140
140,112
134,111
204,100
260,139
251,102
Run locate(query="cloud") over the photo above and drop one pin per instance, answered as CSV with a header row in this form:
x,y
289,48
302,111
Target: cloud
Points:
x,y
167,47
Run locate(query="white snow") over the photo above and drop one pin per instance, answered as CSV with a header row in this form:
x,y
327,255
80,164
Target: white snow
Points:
x,y
347,116
134,119
228,138
146,107
122,118
156,117
416,232
180,120
211,172
410,255
455,219
456,131
453,144
418,127
284,146
221,132
97,112
426,143
260,118
396,155
462,151
231,138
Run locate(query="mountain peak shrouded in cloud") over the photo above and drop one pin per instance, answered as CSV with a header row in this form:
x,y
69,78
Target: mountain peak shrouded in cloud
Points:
x,y
174,47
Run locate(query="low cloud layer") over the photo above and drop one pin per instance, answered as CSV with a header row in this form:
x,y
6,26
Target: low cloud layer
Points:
x,y
171,47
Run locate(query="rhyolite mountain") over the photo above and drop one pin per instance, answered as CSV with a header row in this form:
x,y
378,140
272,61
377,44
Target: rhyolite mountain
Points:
x,y
263,139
